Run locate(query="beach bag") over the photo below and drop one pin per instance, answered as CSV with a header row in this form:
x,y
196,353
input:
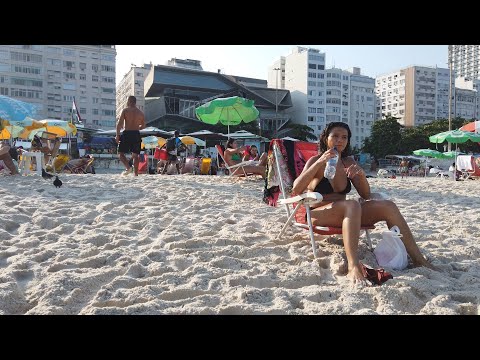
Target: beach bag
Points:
x,y
390,251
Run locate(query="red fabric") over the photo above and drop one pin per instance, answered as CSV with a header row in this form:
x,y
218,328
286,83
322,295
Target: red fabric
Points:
x,y
160,154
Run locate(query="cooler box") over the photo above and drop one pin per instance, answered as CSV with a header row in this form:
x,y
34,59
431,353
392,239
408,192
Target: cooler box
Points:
x,y
205,166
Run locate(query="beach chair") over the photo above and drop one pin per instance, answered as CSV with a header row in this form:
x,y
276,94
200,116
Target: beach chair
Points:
x,y
58,164
234,169
297,207
79,166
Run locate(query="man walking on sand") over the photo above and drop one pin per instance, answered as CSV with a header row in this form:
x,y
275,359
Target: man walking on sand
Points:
x,y
132,121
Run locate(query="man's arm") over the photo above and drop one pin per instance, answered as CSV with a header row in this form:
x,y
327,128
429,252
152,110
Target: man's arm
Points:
x,y
142,121
120,125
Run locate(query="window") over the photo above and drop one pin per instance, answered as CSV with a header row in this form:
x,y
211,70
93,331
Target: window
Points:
x,y
68,52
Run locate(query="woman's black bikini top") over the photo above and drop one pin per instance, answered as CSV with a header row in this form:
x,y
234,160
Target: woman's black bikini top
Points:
x,y
324,187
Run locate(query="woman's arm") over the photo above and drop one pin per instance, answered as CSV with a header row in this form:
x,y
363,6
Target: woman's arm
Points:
x,y
358,177
312,173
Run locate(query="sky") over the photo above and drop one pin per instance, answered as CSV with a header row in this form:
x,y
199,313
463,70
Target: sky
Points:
x,y
253,60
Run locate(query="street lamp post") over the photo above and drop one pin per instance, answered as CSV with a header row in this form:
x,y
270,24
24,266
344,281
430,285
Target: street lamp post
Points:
x,y
450,99
276,99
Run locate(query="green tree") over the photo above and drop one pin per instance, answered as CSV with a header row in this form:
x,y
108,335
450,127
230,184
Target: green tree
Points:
x,y
385,137
301,132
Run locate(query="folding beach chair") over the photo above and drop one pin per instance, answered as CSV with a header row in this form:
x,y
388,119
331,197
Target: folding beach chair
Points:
x,y
233,169
79,166
298,206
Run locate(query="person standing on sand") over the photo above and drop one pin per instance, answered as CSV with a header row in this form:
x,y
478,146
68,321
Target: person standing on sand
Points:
x,y
132,121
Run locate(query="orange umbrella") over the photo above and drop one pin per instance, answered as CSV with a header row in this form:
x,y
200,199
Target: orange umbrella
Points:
x,y
471,126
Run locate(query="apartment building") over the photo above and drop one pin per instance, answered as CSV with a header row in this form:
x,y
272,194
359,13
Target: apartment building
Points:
x,y
132,84
465,60
467,100
321,96
362,106
416,95
51,76
303,70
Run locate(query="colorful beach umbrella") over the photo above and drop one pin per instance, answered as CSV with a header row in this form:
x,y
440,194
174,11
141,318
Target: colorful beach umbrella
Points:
x,y
13,109
228,111
151,142
61,128
189,140
473,126
19,128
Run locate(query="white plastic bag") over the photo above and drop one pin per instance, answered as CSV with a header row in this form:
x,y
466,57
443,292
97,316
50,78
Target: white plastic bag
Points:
x,y
390,251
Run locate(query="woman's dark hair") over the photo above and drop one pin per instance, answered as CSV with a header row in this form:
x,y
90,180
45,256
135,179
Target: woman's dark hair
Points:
x,y
229,143
322,143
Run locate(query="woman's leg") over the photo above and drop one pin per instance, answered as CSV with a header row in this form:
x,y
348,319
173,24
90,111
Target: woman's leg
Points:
x,y
263,159
257,170
386,210
345,214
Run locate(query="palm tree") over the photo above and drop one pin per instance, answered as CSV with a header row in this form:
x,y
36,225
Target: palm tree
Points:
x,y
301,132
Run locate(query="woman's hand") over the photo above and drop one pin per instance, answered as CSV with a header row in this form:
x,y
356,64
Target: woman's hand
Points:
x,y
327,155
354,170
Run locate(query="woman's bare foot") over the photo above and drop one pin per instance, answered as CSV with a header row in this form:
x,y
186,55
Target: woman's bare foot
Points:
x,y
423,262
355,274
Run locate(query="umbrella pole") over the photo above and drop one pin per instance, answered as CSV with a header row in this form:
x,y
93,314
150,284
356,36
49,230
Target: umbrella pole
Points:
x,y
455,170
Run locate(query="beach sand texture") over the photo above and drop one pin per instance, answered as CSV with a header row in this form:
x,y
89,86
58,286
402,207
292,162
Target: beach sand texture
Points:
x,y
111,244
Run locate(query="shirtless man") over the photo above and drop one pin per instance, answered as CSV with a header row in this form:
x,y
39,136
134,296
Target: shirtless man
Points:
x,y
132,121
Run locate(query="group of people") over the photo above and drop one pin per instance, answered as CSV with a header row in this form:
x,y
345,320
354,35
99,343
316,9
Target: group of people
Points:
x,y
334,209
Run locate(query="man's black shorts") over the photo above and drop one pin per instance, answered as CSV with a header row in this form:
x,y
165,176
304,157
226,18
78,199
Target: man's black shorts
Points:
x,y
130,141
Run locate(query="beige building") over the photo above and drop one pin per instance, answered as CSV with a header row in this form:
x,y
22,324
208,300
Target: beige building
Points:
x,y
416,95
51,76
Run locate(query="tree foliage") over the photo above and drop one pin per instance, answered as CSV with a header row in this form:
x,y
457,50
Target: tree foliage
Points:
x,y
389,137
301,132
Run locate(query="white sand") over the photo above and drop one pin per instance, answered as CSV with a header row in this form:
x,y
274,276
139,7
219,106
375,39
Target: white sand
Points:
x,y
107,244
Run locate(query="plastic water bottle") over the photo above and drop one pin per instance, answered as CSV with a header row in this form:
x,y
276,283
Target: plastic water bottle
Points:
x,y
331,166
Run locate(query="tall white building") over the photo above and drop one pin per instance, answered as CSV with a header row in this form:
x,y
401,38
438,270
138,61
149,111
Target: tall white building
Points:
x,y
132,84
304,77
362,106
321,96
416,95
465,60
51,76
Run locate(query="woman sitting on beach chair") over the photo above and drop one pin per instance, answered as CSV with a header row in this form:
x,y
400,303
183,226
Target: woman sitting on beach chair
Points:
x,y
350,215
233,156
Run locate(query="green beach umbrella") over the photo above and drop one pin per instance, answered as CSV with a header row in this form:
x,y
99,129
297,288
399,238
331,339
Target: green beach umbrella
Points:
x,y
451,154
428,153
228,111
455,137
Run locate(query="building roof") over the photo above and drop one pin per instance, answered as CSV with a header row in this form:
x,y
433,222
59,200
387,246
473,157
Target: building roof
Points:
x,y
212,82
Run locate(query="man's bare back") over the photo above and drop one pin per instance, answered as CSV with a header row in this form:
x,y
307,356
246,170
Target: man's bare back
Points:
x,y
132,118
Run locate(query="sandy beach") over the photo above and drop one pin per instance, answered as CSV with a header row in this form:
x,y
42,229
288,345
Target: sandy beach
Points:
x,y
112,244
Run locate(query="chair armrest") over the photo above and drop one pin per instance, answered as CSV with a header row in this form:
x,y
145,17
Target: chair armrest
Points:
x,y
306,198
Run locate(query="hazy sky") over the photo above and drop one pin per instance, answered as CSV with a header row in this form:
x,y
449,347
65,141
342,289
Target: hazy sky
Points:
x,y
253,60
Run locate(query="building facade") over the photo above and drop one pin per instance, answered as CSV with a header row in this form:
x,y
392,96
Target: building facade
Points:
x,y
321,96
362,106
51,76
416,95
465,60
132,85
